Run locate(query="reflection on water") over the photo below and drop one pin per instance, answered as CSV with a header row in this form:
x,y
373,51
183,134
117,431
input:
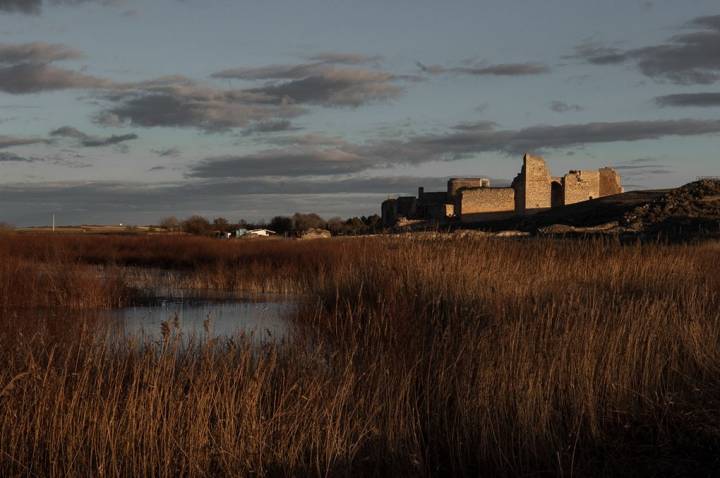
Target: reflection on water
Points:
x,y
264,321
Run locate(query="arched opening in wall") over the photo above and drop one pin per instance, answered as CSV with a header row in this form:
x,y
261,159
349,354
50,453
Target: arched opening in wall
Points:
x,y
556,194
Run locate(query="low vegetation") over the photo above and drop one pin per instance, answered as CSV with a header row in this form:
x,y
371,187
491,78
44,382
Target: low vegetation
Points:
x,y
409,357
283,225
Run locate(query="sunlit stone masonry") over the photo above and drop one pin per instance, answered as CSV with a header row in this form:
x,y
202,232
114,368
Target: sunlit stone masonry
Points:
x,y
533,189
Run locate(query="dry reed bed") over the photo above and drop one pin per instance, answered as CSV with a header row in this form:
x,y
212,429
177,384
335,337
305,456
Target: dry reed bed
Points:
x,y
255,266
32,284
413,358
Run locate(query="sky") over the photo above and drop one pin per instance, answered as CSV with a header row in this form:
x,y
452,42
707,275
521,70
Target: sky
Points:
x,y
128,111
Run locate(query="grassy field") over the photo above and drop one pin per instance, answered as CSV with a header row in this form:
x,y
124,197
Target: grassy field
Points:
x,y
410,357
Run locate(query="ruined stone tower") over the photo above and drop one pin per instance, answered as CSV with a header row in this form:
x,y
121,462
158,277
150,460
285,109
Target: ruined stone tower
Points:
x,y
610,182
532,186
533,190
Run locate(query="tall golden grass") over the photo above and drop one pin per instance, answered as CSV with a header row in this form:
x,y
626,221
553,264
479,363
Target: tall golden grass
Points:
x,y
53,279
424,357
263,266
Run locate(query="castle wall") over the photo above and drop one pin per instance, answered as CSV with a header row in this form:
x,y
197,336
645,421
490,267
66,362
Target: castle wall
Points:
x,y
609,182
430,198
532,186
455,184
392,209
532,190
485,203
407,206
388,210
557,192
440,212
581,186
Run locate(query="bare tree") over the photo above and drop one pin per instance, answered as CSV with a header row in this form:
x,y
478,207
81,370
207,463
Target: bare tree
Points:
x,y
303,222
170,223
196,225
221,224
281,224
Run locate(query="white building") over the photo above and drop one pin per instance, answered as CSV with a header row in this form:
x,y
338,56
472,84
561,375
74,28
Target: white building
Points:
x,y
260,232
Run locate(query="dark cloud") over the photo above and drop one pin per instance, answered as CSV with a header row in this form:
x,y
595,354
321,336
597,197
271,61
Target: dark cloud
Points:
x,y
562,107
476,126
110,140
460,144
506,69
62,158
81,2
8,157
169,152
689,99
323,81
686,58
179,102
22,6
317,65
310,156
173,101
281,162
642,169
599,55
641,161
179,111
37,52
34,6
10,141
624,168
272,72
310,139
345,58
91,141
26,78
711,22
69,132
275,126
26,68
338,87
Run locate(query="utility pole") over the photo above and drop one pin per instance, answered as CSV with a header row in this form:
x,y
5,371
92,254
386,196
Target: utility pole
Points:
x,y
53,222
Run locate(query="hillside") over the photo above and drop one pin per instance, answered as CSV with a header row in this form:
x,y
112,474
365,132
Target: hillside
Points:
x,y
693,208
690,210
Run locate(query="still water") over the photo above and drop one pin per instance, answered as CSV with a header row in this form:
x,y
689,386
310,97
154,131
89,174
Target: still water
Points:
x,y
190,313
263,320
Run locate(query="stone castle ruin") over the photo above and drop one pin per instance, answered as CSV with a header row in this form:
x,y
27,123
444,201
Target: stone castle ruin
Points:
x,y
532,190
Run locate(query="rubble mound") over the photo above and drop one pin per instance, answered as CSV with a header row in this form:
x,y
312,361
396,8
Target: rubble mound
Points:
x,y
686,211
315,233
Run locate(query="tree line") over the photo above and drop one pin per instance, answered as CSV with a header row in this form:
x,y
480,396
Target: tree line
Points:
x,y
283,225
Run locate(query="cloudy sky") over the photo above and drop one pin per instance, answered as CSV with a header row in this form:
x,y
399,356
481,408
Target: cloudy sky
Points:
x,y
131,110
